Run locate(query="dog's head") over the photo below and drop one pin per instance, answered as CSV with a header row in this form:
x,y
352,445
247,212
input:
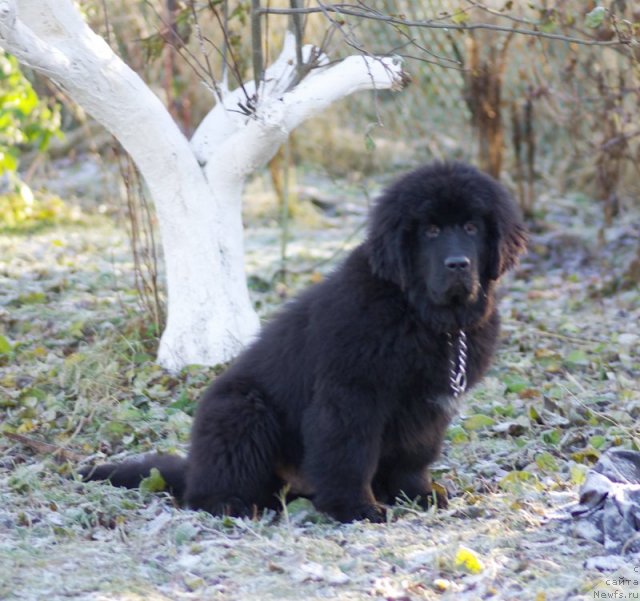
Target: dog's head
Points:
x,y
443,233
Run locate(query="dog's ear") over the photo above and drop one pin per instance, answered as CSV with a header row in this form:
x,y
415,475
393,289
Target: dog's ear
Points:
x,y
388,242
507,234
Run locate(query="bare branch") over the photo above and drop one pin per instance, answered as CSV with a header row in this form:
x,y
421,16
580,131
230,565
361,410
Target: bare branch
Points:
x,y
174,40
256,43
360,12
200,38
501,15
232,62
107,23
296,25
44,448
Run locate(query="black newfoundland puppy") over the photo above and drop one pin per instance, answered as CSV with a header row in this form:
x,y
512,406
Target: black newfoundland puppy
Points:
x,y
347,393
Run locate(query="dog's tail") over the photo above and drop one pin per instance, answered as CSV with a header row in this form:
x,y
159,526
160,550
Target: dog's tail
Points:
x,y
131,472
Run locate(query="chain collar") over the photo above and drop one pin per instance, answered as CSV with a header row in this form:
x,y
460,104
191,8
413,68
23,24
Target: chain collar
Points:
x,y
457,362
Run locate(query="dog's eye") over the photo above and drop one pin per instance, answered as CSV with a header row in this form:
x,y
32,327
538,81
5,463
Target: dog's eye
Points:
x,y
433,231
471,228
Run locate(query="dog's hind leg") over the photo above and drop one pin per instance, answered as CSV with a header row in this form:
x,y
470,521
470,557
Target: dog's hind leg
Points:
x,y
234,450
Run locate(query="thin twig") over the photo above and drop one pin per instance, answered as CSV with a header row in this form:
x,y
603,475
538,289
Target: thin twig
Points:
x,y
107,22
182,50
349,10
205,54
413,41
575,339
256,43
44,448
233,62
497,13
296,25
284,214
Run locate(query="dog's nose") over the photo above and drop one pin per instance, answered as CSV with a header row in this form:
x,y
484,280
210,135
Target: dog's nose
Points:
x,y
460,263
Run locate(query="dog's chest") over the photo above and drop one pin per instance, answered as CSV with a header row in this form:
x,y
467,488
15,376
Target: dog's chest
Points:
x,y
418,424
425,402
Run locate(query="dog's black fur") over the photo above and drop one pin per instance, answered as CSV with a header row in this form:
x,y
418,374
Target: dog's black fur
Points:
x,y
345,395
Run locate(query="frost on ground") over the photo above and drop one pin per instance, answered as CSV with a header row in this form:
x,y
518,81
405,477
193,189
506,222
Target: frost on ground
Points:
x,y
77,371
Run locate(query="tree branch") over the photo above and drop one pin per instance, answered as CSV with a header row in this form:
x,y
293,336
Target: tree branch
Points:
x,y
256,43
296,25
253,145
29,49
51,37
355,11
353,74
232,114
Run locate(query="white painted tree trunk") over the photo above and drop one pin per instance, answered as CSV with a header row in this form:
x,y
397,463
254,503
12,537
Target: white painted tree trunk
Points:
x,y
196,186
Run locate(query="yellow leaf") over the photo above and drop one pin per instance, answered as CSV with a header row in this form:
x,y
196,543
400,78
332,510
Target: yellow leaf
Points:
x,y
460,18
26,426
441,584
9,381
469,560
